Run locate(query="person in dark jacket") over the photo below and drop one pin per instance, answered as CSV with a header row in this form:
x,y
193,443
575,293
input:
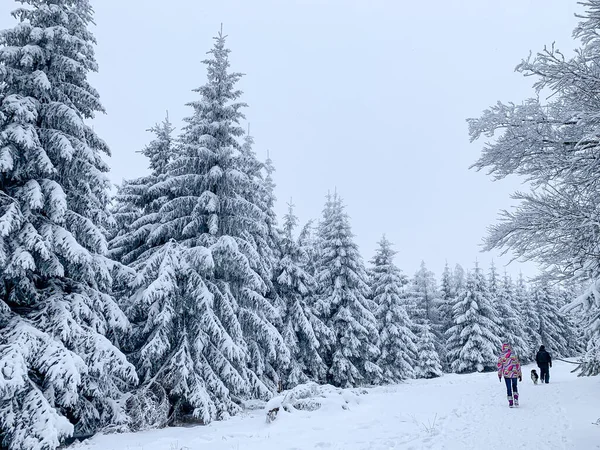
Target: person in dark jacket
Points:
x,y
544,362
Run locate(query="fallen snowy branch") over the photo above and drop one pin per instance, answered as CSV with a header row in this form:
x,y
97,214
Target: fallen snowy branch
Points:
x,y
564,360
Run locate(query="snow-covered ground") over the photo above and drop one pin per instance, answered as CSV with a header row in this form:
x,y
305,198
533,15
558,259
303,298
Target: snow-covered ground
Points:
x,y
452,412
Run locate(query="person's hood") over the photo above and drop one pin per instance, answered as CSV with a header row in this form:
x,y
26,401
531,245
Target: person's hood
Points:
x,y
506,348
542,348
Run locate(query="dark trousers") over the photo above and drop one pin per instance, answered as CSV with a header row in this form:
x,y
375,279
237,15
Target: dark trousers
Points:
x,y
511,386
544,373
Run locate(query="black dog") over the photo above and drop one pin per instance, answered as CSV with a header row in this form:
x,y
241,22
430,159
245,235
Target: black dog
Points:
x,y
534,376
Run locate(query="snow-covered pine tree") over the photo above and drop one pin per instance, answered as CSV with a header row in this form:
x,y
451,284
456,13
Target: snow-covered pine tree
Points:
x,y
124,213
269,189
250,164
138,201
590,361
137,214
228,210
566,294
259,190
182,351
343,289
423,295
493,283
210,206
396,340
458,278
473,341
303,331
529,318
582,309
161,151
182,345
511,324
428,363
205,221
553,327
307,240
587,306
447,298
59,371
423,302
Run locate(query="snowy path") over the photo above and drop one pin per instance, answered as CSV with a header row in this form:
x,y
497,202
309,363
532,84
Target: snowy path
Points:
x,y
453,412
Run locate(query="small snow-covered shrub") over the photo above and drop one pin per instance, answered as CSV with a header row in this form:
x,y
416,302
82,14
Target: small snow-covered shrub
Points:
x,y
148,407
311,397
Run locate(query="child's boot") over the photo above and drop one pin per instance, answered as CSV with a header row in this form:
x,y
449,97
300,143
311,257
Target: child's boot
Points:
x,y
510,401
516,398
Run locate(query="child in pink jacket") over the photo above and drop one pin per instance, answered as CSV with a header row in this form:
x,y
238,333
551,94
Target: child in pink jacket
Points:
x,y
509,367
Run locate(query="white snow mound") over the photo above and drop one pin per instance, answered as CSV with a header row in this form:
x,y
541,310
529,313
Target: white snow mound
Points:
x,y
312,396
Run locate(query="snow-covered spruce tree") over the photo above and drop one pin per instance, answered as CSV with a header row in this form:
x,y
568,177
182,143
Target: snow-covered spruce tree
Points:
x,y
209,205
303,331
423,301
307,240
269,190
553,327
428,363
136,212
342,305
185,357
447,299
529,317
566,294
588,305
161,151
458,278
60,372
229,212
423,295
259,190
553,144
181,345
124,213
511,322
590,361
396,340
138,201
493,283
473,341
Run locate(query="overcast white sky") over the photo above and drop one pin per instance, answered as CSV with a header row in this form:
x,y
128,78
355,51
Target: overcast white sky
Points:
x,y
369,97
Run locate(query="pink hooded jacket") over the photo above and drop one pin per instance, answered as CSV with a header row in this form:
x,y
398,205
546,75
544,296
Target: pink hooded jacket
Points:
x,y
508,363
